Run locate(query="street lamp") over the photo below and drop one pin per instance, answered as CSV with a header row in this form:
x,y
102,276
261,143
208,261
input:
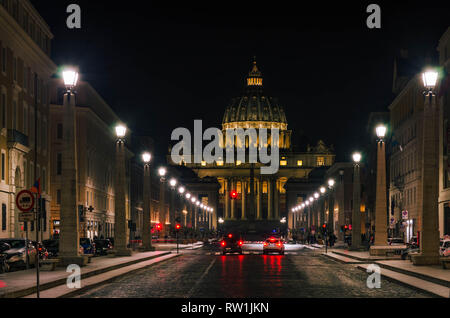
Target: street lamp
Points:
x,y
181,189
173,182
70,77
69,233
316,195
188,195
120,216
322,190
146,233
429,217
356,213
331,183
162,206
381,131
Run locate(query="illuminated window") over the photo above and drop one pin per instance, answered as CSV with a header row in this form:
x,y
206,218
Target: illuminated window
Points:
x,y
239,187
238,163
203,163
320,161
264,187
283,163
299,163
220,163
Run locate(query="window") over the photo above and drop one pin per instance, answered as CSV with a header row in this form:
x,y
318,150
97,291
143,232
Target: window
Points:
x,y
3,109
4,60
15,68
59,164
283,162
25,119
3,166
299,163
320,161
3,217
14,113
59,131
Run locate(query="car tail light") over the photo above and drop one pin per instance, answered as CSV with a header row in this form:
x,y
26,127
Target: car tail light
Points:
x,y
223,243
279,244
265,243
241,243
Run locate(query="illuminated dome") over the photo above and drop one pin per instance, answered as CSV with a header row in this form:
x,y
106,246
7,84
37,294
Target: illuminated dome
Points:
x,y
254,109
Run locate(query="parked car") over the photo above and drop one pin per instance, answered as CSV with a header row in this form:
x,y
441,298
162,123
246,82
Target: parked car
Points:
x,y
4,267
88,245
52,247
16,256
444,249
43,253
102,247
396,241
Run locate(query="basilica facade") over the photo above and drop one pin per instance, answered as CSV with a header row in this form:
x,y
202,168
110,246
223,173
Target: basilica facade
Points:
x,y
246,200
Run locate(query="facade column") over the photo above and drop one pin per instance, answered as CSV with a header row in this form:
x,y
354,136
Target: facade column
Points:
x,y
269,199
259,199
276,203
233,202
227,198
243,198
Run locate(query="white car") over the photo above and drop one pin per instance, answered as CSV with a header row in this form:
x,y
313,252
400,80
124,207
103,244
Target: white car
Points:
x,y
273,244
444,249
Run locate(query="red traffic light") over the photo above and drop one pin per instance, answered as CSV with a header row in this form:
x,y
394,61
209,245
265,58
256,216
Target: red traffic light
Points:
x,y
345,226
230,235
159,226
233,194
177,226
324,226
350,227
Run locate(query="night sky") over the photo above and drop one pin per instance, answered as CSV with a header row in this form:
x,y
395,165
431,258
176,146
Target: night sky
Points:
x,y
162,65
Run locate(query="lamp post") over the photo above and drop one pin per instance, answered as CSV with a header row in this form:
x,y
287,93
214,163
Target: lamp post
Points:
x,y
162,209
120,215
380,200
146,235
429,217
356,213
69,240
330,223
172,207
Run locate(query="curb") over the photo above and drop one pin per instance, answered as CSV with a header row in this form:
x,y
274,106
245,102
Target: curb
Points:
x,y
94,285
400,282
428,278
32,290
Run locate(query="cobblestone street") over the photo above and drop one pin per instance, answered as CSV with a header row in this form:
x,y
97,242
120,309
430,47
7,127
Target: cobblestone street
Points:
x,y
201,274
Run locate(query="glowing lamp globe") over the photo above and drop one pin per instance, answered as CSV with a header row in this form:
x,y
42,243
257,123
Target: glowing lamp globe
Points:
x,y
121,131
429,79
356,157
381,131
70,77
146,157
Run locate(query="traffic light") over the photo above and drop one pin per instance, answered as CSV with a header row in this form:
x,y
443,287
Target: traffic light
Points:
x,y
233,194
158,227
177,226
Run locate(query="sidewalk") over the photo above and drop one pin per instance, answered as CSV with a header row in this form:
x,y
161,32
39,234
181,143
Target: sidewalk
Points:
x,y
23,283
173,246
432,279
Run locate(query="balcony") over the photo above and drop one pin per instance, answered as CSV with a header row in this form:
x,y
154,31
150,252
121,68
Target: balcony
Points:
x,y
17,140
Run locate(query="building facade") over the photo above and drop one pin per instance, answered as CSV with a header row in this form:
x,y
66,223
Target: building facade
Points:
x,y
25,72
261,200
95,144
444,136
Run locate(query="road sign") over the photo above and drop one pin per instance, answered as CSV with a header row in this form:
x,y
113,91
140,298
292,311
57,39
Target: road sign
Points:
x,y
26,216
25,201
405,215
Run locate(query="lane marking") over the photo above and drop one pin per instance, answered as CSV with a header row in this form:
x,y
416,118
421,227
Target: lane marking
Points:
x,y
191,292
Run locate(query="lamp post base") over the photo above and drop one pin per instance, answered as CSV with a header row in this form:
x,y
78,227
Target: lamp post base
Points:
x,y
380,250
147,249
424,259
122,252
65,261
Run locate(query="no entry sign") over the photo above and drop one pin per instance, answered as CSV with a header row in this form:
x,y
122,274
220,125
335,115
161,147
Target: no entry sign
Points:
x,y
25,201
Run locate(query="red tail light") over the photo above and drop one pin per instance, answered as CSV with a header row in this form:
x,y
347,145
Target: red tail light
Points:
x,y
241,243
265,243
223,243
279,244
